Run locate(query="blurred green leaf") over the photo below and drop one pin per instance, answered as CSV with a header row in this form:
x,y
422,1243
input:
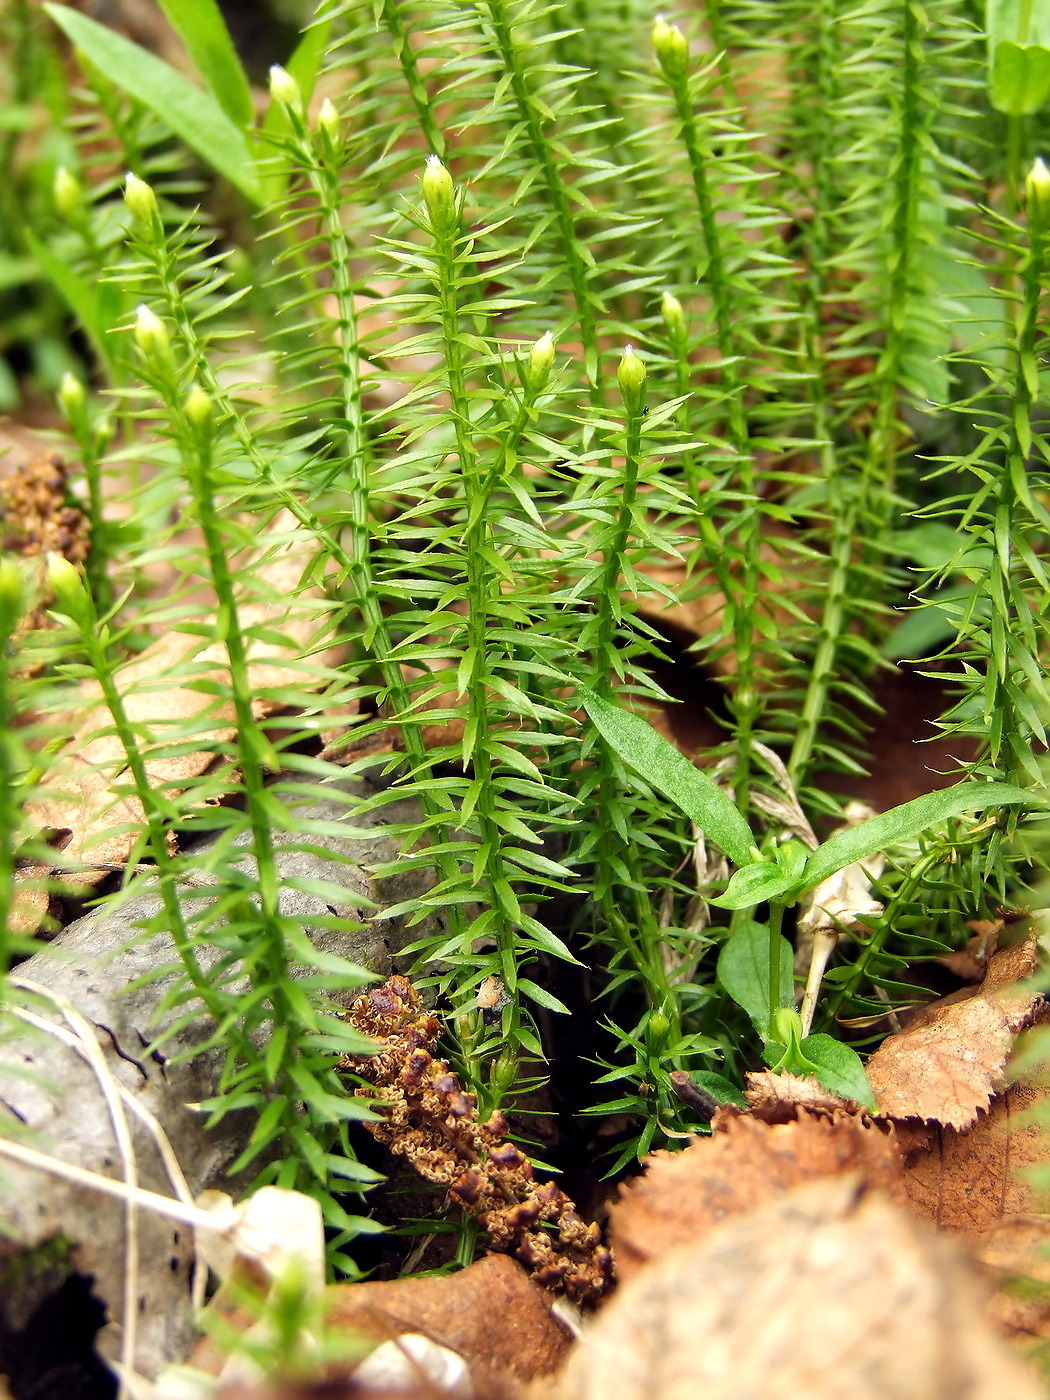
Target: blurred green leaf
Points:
x,y
1018,55
201,27
192,113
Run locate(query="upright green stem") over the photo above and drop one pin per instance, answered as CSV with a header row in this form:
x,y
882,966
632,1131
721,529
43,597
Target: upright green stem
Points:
x,y
720,39
542,150
776,918
478,545
318,155
1011,618
76,601
903,244
390,12
11,602
819,95
674,61
229,633
638,935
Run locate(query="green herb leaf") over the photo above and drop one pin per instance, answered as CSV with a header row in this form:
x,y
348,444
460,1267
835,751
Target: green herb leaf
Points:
x,y
904,822
753,884
192,114
661,765
720,1088
95,304
743,971
839,1068
201,27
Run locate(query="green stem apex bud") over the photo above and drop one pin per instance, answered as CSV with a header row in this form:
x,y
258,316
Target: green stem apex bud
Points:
x,y
538,366
198,408
674,316
631,375
140,199
1037,185
151,334
439,192
672,51
328,121
68,590
67,194
283,87
72,399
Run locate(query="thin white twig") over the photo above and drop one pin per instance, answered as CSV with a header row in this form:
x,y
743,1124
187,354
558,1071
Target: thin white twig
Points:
x,y
165,1206
91,1050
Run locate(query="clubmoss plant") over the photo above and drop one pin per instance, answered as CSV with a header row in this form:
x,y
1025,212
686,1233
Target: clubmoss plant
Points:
x,y
509,325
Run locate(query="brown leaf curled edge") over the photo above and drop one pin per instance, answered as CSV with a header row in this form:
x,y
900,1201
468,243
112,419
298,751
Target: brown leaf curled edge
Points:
x,y
428,1119
949,1061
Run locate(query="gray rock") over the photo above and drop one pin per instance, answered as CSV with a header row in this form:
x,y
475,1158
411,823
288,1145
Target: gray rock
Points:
x,y
49,1089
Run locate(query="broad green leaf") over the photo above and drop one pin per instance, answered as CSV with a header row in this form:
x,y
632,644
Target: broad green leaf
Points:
x,y
754,883
721,1089
743,970
201,27
1018,54
95,304
839,1068
305,63
1020,78
15,271
661,765
192,113
904,822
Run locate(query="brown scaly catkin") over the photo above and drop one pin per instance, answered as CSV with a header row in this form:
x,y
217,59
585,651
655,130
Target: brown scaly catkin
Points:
x,y
429,1119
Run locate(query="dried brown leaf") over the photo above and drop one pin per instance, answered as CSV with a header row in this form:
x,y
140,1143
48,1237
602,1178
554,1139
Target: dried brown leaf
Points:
x,y
947,1063
973,1183
775,1097
80,798
969,1181
491,1313
1015,1254
746,1162
827,1292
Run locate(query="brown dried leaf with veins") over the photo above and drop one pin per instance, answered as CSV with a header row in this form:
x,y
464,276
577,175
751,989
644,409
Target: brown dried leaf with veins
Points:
x,y
749,1159
949,1061
80,798
829,1292
495,1316
977,1183
429,1120
967,1182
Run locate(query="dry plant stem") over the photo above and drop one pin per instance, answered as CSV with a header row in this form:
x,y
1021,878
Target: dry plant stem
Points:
x,y
428,1119
179,1211
80,1044
88,1047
